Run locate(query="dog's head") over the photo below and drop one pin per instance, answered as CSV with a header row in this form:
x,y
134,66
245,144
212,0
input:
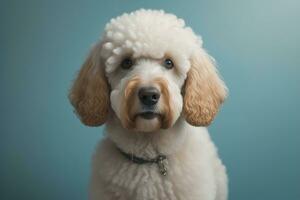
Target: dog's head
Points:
x,y
149,68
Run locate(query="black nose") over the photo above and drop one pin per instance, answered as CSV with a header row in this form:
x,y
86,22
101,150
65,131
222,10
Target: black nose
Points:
x,y
149,96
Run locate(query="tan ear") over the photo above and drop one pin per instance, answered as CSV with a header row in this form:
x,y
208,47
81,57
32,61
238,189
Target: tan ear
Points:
x,y
90,94
204,90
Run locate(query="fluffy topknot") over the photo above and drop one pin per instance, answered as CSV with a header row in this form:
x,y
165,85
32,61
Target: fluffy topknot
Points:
x,y
148,33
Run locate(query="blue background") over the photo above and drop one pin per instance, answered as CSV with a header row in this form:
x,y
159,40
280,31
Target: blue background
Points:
x,y
45,151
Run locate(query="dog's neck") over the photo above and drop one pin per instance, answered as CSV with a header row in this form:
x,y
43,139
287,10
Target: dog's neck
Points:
x,y
148,145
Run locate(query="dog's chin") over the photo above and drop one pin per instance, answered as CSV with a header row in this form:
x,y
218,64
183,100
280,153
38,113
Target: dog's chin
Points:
x,y
147,122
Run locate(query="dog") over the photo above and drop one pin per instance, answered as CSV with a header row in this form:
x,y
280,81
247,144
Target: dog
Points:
x,y
156,89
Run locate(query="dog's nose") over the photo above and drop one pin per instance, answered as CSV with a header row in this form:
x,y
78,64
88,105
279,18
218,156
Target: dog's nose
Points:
x,y
149,96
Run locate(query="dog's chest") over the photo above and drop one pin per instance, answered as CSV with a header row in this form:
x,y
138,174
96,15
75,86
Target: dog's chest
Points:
x,y
189,174
142,182
128,180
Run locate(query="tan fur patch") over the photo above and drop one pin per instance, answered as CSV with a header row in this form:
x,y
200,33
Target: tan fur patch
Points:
x,y
167,115
127,117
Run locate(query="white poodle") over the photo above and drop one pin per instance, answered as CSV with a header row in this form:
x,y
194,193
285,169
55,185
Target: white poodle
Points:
x,y
154,86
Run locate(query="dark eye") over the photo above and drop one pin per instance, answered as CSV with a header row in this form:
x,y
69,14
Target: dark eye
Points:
x,y
168,63
126,63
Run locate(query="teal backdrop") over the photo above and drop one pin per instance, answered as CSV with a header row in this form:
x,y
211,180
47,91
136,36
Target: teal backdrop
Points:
x,y
45,151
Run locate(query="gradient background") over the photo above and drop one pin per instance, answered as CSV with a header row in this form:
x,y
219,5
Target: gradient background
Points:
x,y
45,151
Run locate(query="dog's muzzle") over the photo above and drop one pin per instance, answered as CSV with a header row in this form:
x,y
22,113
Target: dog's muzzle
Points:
x,y
148,97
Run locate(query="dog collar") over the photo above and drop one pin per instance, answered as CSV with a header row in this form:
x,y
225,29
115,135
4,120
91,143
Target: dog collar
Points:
x,y
159,160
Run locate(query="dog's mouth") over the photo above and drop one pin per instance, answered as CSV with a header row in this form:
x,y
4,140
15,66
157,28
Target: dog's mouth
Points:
x,y
148,115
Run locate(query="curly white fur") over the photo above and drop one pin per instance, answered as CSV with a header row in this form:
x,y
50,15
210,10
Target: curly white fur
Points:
x,y
195,171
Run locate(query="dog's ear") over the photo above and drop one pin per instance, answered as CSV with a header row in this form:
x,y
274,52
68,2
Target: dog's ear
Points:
x,y
90,93
204,90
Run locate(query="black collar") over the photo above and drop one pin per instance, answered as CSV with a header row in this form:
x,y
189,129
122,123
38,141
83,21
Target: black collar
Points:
x,y
159,160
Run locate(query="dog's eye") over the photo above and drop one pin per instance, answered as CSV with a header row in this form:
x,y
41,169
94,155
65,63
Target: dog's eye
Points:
x,y
168,63
126,63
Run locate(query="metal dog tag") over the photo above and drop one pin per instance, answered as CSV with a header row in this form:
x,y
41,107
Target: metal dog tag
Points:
x,y
161,165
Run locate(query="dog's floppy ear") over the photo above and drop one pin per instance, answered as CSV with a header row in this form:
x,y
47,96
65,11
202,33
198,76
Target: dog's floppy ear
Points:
x,y
204,90
90,94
